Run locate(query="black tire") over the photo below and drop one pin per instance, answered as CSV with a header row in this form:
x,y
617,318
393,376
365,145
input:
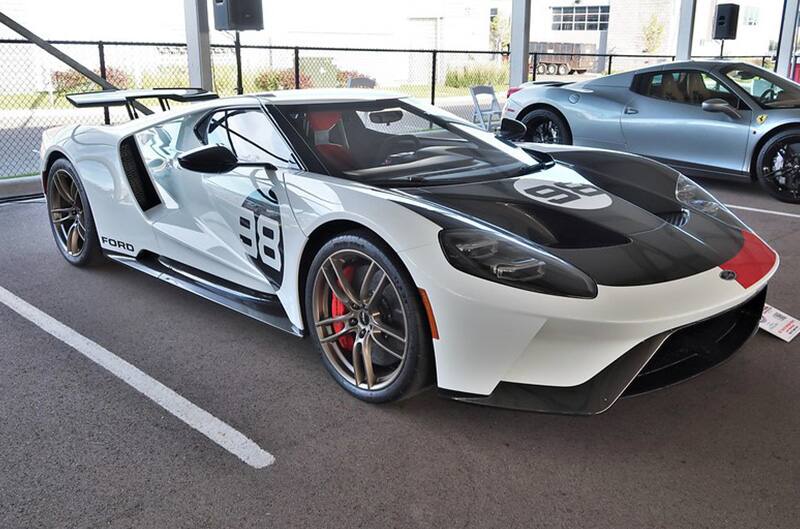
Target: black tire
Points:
x,y
552,69
89,252
541,68
782,183
415,370
564,69
541,117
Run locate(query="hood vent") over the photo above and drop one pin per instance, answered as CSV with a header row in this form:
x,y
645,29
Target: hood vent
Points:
x,y
679,218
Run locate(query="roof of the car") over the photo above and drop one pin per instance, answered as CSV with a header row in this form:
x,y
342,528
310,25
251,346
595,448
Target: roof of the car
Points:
x,y
278,97
707,64
326,95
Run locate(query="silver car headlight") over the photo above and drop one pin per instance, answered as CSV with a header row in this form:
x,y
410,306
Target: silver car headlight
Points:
x,y
493,256
693,196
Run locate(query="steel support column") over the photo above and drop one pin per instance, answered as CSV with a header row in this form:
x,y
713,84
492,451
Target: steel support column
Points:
x,y
198,44
683,50
520,41
787,37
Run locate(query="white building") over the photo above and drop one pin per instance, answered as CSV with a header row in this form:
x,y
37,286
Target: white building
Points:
x,y
620,26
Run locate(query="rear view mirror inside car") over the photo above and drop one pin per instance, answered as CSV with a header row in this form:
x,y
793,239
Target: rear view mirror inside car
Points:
x,y
386,117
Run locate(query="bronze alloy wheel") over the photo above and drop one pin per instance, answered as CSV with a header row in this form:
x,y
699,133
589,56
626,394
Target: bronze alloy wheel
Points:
x,y
359,319
67,213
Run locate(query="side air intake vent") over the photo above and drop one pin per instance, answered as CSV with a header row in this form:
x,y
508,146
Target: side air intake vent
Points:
x,y
137,175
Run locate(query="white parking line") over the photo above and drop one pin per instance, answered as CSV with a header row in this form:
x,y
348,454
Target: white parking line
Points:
x,y
224,435
769,211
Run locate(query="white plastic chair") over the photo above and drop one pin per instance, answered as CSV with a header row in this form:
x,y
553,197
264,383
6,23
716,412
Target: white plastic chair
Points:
x,y
484,115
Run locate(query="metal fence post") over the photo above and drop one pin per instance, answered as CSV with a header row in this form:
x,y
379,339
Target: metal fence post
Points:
x,y
609,64
296,67
101,51
237,48
534,64
763,60
433,76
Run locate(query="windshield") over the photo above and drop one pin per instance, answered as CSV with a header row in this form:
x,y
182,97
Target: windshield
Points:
x,y
398,140
768,89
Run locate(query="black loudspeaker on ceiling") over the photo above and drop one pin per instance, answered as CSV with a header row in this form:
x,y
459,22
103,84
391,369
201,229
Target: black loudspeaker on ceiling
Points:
x,y
727,20
238,15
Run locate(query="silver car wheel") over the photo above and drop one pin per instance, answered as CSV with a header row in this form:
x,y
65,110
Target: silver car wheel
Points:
x,y
359,320
544,131
781,168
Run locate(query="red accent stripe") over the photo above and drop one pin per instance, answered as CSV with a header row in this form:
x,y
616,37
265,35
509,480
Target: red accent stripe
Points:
x,y
752,262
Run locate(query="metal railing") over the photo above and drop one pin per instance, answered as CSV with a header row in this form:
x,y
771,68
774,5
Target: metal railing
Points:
x,y
33,84
556,63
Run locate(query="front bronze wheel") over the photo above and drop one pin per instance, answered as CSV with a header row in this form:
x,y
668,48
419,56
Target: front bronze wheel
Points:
x,y
366,318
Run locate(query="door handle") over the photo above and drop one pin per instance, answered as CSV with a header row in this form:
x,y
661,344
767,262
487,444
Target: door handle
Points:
x,y
630,110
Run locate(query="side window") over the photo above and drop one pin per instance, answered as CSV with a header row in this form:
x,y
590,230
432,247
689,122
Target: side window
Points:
x,y
669,86
702,87
251,135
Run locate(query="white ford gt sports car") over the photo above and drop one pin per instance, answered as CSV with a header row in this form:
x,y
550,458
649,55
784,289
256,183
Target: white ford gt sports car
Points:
x,y
414,248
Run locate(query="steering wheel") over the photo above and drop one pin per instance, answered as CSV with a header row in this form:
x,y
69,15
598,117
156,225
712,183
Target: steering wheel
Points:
x,y
395,144
768,95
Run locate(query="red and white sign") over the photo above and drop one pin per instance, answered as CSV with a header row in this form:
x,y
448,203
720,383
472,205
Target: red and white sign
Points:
x,y
779,323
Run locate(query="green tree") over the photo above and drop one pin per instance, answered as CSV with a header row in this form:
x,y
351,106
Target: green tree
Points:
x,y
499,32
652,35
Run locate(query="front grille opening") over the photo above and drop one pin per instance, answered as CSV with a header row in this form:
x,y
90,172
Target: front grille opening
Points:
x,y
138,178
700,346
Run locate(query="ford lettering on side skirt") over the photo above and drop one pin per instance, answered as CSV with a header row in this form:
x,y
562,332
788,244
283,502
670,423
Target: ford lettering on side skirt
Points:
x,y
116,243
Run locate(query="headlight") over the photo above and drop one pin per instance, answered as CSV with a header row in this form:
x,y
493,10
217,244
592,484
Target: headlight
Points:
x,y
502,259
690,194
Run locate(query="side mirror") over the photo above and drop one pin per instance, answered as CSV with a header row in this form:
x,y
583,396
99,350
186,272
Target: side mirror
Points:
x,y
511,129
720,105
209,159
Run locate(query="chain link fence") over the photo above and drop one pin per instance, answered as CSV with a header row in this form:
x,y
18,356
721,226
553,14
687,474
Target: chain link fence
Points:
x,y
33,84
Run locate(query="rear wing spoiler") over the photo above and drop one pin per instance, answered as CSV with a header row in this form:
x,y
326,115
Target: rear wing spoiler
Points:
x,y
129,98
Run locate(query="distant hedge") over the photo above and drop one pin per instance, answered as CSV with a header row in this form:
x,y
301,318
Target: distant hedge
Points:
x,y
476,74
66,81
310,75
280,79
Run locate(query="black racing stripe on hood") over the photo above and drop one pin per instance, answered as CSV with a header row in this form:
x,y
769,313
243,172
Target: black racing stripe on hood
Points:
x,y
623,244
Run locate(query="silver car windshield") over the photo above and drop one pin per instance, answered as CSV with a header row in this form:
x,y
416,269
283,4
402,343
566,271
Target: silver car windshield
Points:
x,y
401,140
768,89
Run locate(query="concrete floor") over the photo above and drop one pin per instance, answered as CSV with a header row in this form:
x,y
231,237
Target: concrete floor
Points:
x,y
80,448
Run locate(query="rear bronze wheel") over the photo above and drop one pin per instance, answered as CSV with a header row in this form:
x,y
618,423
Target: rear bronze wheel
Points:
x,y
70,216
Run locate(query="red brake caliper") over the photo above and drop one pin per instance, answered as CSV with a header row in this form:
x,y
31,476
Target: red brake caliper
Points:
x,y
339,308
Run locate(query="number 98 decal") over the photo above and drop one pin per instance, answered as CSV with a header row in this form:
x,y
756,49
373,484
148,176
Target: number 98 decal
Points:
x,y
574,195
260,234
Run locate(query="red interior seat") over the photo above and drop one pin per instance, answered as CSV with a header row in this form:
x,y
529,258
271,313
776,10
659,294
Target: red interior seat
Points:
x,y
321,124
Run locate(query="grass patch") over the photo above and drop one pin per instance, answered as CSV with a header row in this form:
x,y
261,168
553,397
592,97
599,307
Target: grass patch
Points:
x,y
10,177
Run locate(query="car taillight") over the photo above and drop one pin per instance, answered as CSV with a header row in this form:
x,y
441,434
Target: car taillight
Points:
x,y
513,90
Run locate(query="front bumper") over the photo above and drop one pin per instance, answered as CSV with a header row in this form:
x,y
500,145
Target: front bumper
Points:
x,y
493,336
662,360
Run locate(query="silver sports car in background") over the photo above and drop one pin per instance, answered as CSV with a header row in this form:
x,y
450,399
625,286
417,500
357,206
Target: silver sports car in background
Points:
x,y
705,118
